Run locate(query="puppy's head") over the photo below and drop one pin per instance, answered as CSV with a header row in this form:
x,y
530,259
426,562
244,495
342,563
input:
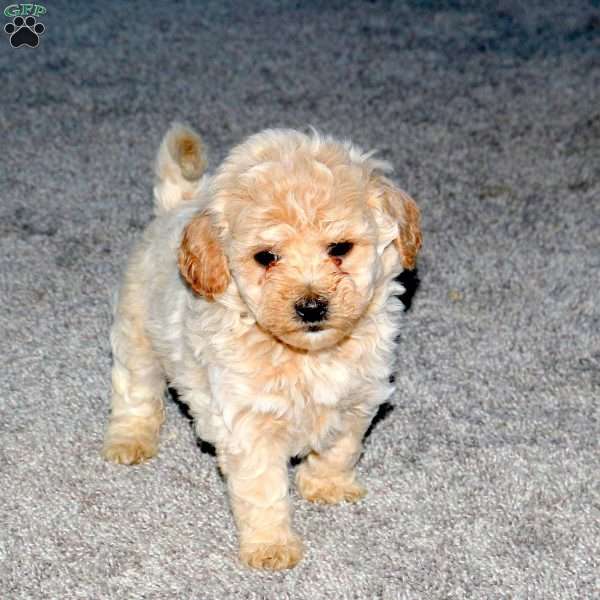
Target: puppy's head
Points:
x,y
306,228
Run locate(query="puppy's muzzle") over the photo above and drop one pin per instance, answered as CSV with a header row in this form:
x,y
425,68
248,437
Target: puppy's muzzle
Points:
x,y
311,310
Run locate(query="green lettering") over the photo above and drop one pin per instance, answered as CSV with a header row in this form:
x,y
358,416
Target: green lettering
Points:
x,y
38,10
12,10
26,9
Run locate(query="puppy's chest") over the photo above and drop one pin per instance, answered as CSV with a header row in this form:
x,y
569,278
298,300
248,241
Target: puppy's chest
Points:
x,y
314,398
314,392
323,380
336,378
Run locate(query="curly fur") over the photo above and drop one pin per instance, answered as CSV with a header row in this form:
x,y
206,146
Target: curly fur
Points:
x,y
197,310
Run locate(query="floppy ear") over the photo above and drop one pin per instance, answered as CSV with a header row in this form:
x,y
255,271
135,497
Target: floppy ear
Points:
x,y
405,217
201,260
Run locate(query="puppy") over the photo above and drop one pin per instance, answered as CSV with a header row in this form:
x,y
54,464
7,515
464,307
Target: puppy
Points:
x,y
266,296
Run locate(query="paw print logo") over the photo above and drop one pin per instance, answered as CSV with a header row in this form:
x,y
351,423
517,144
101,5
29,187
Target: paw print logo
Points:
x,y
24,32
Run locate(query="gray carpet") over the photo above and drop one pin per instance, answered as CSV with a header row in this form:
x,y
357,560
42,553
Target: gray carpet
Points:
x,y
484,475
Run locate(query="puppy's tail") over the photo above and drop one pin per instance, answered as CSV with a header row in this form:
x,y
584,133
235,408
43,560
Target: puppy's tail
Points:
x,y
180,163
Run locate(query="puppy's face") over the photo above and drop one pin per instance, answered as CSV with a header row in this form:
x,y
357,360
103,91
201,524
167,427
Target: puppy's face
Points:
x,y
305,238
303,251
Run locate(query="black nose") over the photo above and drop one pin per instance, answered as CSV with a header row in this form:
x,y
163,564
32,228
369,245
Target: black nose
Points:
x,y
311,310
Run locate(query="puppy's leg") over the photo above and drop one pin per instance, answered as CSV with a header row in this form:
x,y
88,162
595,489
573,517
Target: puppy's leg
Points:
x,y
138,387
254,460
329,477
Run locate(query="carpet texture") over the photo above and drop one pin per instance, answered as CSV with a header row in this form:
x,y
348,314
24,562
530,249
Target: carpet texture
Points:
x,y
483,475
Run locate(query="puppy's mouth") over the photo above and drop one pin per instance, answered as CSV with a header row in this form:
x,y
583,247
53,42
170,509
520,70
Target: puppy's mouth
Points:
x,y
314,328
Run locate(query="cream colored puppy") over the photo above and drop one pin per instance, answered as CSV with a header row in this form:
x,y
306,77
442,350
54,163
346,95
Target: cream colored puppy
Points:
x,y
265,295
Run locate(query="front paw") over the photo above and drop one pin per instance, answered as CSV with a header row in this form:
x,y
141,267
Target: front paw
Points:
x,y
129,451
329,490
282,554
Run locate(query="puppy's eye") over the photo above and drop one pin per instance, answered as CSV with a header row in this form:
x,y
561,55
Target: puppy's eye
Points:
x,y
266,258
339,249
